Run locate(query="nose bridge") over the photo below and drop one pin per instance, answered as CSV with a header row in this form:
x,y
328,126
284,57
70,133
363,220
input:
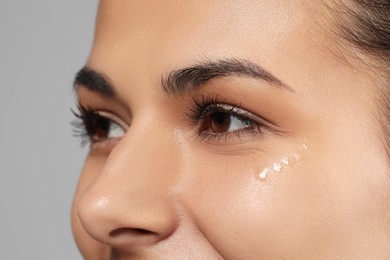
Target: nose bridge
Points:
x,y
146,152
130,202
147,160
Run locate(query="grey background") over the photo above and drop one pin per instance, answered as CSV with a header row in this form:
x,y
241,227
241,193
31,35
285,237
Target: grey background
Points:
x,y
42,45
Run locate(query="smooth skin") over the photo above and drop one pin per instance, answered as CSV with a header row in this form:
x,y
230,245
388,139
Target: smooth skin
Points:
x,y
164,189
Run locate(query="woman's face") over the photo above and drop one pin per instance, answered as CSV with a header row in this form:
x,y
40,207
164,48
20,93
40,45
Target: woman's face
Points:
x,y
228,129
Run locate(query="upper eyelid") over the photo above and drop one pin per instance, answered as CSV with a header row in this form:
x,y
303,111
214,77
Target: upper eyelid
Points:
x,y
233,109
237,110
263,120
114,118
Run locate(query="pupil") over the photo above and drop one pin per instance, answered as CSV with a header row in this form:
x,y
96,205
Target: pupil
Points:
x,y
219,122
102,127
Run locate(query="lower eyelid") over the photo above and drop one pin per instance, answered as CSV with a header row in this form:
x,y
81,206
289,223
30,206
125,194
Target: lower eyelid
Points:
x,y
231,138
104,146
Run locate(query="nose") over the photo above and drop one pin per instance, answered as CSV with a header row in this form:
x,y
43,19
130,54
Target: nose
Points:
x,y
129,204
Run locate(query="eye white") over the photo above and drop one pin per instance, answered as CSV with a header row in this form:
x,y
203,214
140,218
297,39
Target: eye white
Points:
x,y
237,123
115,131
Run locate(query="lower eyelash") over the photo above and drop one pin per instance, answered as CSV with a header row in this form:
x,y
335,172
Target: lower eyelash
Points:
x,y
225,136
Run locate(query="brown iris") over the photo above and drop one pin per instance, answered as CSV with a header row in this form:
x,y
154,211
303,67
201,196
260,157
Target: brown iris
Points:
x,y
98,127
218,122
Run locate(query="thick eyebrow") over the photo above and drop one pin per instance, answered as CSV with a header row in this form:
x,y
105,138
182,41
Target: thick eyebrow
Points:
x,y
188,79
184,80
95,81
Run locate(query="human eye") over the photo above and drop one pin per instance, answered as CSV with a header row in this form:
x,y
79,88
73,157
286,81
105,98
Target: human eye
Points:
x,y
217,119
97,126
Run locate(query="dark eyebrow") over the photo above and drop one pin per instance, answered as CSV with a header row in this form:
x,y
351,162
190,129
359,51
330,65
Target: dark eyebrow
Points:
x,y
188,79
93,80
184,80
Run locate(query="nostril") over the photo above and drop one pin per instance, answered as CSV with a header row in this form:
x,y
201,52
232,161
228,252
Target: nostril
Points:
x,y
133,237
131,231
128,237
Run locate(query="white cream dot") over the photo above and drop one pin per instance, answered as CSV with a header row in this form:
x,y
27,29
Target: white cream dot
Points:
x,y
285,161
277,167
264,173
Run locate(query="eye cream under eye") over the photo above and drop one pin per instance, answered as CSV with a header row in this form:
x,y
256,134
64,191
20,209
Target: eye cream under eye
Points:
x,y
278,167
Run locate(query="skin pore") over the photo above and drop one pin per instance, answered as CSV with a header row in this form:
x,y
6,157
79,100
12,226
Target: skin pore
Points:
x,y
185,103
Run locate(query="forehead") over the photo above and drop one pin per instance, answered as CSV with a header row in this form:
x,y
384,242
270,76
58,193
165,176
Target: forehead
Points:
x,y
193,16
192,29
138,41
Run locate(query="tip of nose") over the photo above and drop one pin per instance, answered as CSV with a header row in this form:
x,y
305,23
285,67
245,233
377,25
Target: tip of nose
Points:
x,y
131,237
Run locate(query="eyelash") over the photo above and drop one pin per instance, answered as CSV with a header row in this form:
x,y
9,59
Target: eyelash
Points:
x,y
202,107
200,114
83,125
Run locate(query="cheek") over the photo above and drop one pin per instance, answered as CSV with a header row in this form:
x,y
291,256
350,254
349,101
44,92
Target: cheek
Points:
x,y
242,215
305,207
